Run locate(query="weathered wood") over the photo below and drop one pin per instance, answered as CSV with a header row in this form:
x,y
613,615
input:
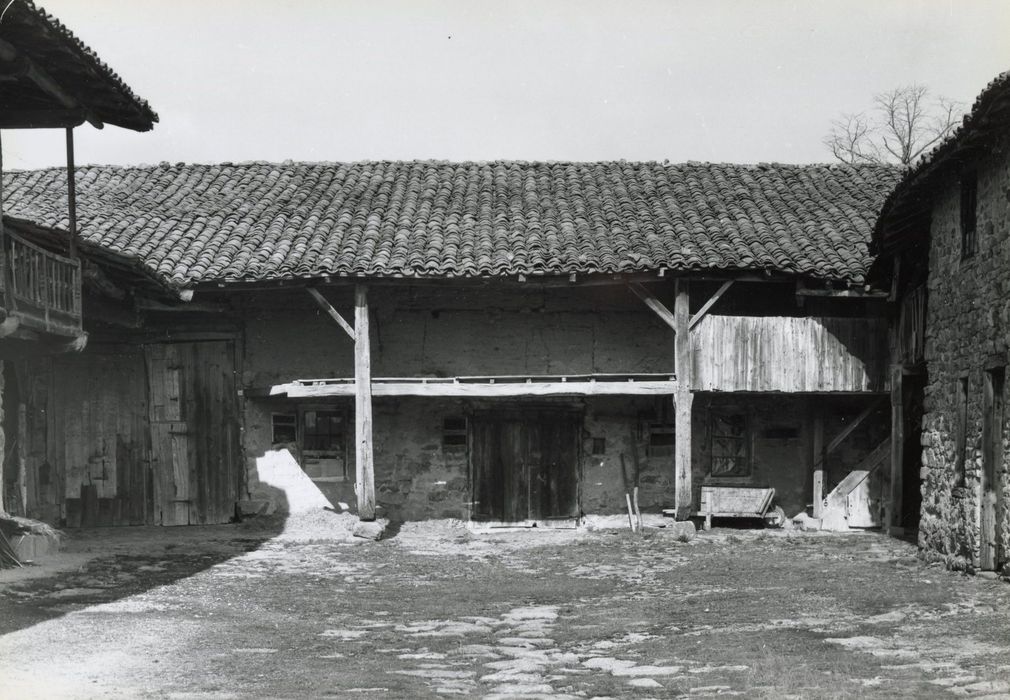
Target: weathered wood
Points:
x,y
44,81
710,303
378,388
653,303
364,467
683,401
856,422
893,519
790,354
990,554
855,477
328,308
72,199
817,455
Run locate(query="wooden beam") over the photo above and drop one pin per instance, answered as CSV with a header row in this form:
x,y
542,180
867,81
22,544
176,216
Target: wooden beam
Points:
x,y
45,82
474,390
71,195
683,401
41,118
708,304
893,523
334,314
653,303
867,412
816,412
364,482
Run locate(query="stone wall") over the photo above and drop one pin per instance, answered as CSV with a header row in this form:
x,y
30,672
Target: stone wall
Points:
x,y
966,332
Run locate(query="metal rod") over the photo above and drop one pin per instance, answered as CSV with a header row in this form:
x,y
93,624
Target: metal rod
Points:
x,y
72,192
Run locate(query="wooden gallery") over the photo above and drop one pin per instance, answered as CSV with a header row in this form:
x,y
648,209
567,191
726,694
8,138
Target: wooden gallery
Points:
x,y
502,342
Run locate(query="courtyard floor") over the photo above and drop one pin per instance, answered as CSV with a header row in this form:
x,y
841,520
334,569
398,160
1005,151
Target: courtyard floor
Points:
x,y
292,610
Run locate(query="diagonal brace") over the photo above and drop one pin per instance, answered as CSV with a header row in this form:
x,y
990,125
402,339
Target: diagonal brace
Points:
x,y
696,319
334,314
655,304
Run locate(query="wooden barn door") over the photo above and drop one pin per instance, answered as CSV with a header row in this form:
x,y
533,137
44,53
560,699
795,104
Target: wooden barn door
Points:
x,y
992,466
194,432
524,465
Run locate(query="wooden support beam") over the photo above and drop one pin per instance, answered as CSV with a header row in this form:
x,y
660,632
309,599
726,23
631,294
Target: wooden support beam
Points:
x,y
473,390
816,411
866,413
893,520
364,483
653,303
708,304
683,401
334,314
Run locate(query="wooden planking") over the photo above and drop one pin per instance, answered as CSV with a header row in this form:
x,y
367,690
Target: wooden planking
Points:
x,y
791,354
194,432
96,432
488,390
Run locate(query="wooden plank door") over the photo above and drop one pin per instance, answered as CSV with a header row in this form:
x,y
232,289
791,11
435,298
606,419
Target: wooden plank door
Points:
x,y
553,466
194,432
524,465
992,466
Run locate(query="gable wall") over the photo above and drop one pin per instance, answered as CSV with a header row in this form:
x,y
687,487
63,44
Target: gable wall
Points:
x,y
967,327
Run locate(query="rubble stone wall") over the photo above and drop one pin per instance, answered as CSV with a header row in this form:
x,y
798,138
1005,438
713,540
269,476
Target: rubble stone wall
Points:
x,y
968,319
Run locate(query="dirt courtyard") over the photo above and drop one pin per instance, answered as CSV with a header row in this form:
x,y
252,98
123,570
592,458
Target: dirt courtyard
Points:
x,y
287,611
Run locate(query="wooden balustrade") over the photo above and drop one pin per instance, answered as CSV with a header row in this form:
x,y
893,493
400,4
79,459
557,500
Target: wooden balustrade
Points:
x,y
43,288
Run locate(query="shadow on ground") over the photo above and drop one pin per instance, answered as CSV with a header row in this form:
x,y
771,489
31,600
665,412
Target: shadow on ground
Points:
x,y
102,565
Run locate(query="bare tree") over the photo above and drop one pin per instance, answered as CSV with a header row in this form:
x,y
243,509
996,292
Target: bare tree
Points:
x,y
903,124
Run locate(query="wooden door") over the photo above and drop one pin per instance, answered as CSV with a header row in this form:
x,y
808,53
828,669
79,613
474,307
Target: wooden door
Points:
x,y
524,465
96,438
992,466
194,432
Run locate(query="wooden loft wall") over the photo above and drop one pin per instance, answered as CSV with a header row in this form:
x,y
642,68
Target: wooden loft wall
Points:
x,y
799,354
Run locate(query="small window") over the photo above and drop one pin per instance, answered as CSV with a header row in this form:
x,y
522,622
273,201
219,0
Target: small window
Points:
x,y
454,433
323,444
969,205
781,432
285,428
599,446
662,439
961,435
730,444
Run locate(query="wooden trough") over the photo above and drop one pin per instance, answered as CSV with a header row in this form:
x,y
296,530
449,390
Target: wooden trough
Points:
x,y
734,502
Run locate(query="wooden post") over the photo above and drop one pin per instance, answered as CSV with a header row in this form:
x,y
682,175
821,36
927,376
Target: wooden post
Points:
x,y
71,193
894,518
817,454
683,399
364,483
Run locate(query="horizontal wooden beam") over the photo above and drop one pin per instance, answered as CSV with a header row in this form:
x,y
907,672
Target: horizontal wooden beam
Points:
x,y
334,314
45,83
653,303
708,304
41,118
804,291
466,389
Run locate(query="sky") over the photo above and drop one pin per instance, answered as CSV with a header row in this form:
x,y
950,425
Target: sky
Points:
x,y
723,81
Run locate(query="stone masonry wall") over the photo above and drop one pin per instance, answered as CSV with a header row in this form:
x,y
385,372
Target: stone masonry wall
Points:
x,y
966,331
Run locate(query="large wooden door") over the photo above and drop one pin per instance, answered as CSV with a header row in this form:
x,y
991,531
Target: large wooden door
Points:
x,y
525,464
992,466
194,432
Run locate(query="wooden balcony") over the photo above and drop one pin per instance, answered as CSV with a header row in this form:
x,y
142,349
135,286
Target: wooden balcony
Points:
x,y
41,289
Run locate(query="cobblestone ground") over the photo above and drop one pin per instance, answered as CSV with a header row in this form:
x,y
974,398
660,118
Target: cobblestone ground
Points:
x,y
235,612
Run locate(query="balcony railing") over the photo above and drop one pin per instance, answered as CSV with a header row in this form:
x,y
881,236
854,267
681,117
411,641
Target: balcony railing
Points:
x,y
43,288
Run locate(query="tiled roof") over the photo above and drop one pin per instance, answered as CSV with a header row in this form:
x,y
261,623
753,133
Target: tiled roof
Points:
x,y
990,114
77,69
261,221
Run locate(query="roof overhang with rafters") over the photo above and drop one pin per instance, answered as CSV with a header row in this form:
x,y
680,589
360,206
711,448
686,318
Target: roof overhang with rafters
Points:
x,y
904,217
49,78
